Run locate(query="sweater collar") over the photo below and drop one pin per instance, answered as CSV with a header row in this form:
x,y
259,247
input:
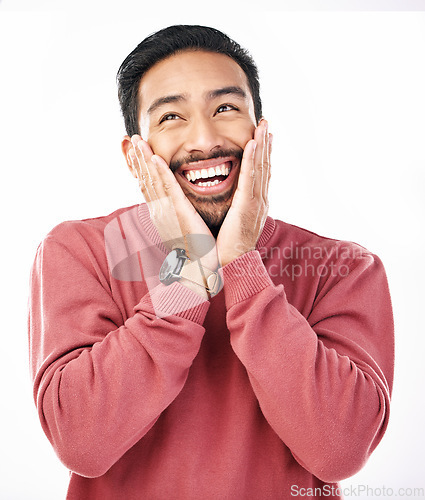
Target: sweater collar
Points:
x,y
150,229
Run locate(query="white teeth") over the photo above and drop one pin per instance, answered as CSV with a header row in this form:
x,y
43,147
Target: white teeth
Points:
x,y
209,183
204,173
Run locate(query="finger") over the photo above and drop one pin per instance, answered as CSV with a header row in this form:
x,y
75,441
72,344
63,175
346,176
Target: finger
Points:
x,y
149,174
131,155
171,187
247,172
169,183
152,178
261,138
264,168
269,164
261,173
139,165
182,213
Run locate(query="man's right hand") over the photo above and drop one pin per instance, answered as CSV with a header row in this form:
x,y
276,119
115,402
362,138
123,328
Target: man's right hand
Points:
x,y
176,219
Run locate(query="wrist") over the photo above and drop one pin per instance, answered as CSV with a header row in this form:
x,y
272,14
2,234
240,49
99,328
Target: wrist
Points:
x,y
193,274
228,257
198,289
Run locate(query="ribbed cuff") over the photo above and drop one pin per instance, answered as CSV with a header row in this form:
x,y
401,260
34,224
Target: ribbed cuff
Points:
x,y
244,277
178,300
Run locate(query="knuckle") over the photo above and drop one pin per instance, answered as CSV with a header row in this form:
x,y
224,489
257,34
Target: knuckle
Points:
x,y
167,186
153,182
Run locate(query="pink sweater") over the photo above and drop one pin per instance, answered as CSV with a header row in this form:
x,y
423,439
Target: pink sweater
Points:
x,y
280,385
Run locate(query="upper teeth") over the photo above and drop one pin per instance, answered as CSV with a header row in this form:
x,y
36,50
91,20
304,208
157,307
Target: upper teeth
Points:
x,y
204,173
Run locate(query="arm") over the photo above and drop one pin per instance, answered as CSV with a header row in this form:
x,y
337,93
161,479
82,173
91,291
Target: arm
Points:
x,y
322,382
101,383
102,380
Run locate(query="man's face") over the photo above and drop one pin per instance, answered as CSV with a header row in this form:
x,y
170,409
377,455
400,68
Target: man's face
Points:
x,y
197,112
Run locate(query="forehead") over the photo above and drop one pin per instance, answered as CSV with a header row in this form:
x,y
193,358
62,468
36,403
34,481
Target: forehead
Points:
x,y
193,73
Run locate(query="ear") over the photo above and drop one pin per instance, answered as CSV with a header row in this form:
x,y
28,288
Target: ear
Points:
x,y
126,145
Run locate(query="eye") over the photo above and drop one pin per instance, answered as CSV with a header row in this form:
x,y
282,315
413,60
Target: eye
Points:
x,y
169,117
226,107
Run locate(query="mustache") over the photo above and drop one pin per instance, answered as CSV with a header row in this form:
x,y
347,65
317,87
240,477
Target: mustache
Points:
x,y
192,158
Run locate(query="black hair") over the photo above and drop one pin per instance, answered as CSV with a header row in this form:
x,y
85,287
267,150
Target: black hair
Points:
x,y
165,43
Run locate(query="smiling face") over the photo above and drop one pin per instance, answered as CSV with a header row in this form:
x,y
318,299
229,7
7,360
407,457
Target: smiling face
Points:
x,y
197,112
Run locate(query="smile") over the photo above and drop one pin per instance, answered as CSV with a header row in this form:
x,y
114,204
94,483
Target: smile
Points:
x,y
217,174
210,176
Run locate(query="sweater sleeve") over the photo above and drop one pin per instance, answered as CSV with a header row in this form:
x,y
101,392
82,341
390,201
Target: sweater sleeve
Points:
x,y
323,381
100,383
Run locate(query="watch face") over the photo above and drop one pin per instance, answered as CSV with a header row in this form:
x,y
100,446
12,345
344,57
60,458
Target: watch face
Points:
x,y
172,266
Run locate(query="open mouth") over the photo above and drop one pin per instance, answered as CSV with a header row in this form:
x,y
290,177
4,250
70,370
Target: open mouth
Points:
x,y
215,176
208,176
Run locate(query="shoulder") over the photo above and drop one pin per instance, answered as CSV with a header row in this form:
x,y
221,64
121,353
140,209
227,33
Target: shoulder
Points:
x,y
90,230
304,254
80,241
312,267
300,242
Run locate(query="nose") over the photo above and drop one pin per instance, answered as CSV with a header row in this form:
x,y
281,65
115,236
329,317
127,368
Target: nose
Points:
x,y
203,136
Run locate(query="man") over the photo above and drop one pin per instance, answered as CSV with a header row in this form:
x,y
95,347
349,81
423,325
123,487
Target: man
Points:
x,y
193,347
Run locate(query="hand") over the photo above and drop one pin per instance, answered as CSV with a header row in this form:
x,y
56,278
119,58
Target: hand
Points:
x,y
175,218
245,219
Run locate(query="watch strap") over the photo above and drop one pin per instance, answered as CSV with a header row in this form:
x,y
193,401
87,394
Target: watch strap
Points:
x,y
200,275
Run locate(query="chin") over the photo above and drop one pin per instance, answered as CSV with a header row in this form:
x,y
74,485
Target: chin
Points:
x,y
213,219
213,211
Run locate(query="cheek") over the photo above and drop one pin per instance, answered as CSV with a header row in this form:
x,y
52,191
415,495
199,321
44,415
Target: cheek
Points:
x,y
241,135
163,146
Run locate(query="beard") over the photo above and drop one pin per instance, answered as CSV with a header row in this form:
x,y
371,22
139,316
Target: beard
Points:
x,y
212,209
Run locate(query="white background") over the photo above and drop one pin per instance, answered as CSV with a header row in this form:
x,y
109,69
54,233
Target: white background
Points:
x,y
344,95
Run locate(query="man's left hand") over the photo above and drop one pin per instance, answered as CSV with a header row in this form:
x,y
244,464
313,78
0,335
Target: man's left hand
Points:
x,y
245,219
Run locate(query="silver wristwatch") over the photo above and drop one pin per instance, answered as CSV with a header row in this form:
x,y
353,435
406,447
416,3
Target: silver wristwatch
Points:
x,y
178,265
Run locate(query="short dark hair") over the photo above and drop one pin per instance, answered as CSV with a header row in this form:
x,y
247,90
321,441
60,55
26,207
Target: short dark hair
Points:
x,y
165,43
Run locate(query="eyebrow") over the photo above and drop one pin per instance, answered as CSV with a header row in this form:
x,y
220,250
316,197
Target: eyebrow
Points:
x,y
213,94
226,91
166,100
